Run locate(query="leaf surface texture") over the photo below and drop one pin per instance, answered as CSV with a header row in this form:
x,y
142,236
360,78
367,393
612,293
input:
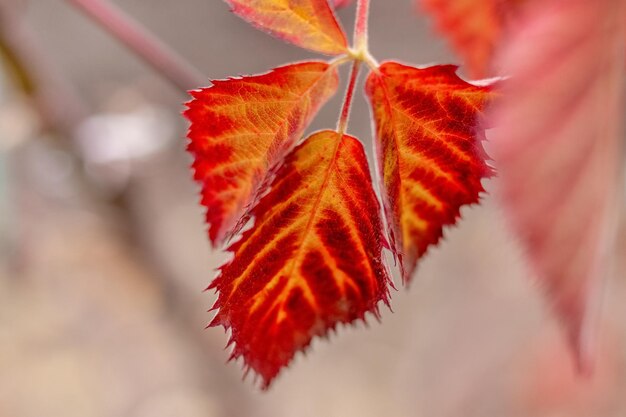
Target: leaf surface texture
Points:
x,y
429,151
309,24
240,128
311,260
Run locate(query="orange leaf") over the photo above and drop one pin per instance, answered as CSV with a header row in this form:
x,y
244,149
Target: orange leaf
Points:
x,y
428,151
312,259
309,24
473,26
241,127
559,147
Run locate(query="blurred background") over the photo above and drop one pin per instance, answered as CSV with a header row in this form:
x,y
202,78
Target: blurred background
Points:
x,y
104,255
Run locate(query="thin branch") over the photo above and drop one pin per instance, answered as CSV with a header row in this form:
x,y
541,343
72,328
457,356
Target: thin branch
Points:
x,y
342,125
146,45
35,75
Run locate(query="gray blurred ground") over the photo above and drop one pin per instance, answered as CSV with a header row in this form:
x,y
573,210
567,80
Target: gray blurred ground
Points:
x,y
103,266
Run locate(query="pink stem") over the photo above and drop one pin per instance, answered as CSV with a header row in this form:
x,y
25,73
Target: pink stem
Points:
x,y
360,28
347,102
130,32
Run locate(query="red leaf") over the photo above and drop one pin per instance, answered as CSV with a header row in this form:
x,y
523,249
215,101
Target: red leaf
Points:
x,y
309,24
241,127
312,259
558,149
428,151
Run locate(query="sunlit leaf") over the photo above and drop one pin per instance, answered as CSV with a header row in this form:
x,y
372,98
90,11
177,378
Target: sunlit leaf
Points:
x,y
311,260
428,151
310,24
241,127
558,148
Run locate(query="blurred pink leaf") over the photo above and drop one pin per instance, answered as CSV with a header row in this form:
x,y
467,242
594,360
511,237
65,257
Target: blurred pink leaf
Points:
x,y
340,3
558,149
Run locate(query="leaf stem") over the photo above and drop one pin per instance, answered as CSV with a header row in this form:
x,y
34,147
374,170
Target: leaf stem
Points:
x,y
347,101
147,46
360,28
340,60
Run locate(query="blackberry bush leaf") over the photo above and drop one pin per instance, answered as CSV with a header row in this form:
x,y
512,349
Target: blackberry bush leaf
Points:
x,y
429,151
309,24
311,260
242,127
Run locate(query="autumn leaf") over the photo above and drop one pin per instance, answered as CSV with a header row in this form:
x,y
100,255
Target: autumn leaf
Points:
x,y
311,260
428,149
474,28
558,149
309,24
242,127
